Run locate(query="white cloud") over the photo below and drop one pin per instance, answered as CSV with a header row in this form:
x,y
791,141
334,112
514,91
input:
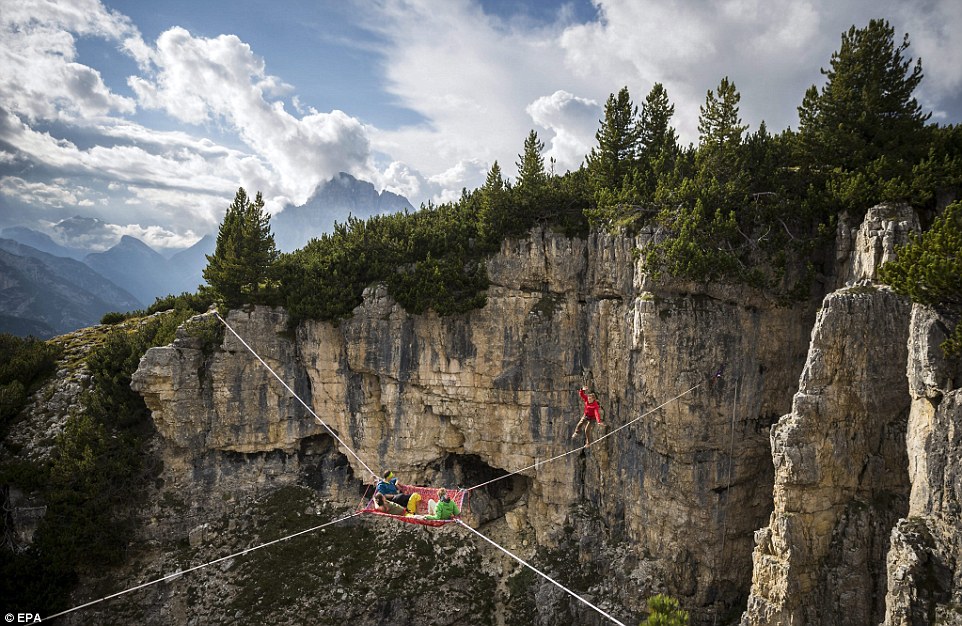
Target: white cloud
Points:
x,y
196,211
124,163
41,79
398,178
157,237
97,235
200,80
573,122
934,35
472,76
768,48
57,193
771,49
478,82
449,183
85,233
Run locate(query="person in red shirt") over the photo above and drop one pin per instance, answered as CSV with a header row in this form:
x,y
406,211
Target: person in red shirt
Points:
x,y
591,415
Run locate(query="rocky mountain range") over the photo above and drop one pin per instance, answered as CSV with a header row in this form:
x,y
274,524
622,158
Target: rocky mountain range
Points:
x,y
38,296
134,263
46,295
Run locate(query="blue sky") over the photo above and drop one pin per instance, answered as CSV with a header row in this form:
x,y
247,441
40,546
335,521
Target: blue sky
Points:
x,y
148,116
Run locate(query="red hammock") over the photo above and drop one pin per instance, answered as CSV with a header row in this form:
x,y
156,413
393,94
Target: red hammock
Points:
x,y
426,493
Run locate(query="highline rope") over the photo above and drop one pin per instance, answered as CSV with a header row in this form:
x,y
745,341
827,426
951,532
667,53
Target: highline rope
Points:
x,y
542,574
179,573
579,449
297,397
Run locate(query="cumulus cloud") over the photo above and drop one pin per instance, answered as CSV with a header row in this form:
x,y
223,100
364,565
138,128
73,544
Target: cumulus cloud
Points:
x,y
88,233
477,83
401,179
471,74
449,183
199,80
157,237
771,49
41,79
768,48
572,121
934,34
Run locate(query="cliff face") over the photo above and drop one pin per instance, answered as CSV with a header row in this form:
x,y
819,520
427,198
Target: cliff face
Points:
x,y
466,399
841,479
925,561
864,446
862,509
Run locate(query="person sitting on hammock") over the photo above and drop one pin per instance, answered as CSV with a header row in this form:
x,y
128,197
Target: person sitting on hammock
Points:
x,y
389,489
384,505
591,415
443,509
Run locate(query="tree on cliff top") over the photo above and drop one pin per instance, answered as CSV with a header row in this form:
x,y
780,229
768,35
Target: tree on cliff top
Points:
x,y
532,176
721,132
618,143
929,270
241,269
866,109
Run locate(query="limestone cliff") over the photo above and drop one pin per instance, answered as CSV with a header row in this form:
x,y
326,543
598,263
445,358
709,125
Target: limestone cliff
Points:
x,y
863,447
465,399
840,469
925,561
862,508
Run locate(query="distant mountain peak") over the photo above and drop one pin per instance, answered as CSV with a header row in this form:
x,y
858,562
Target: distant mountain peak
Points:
x,y
331,202
129,240
41,241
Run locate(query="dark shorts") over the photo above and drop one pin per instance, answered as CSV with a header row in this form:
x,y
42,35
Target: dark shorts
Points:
x,y
586,418
400,498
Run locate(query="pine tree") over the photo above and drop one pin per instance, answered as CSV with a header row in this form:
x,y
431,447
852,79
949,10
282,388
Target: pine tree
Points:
x,y
655,133
618,143
493,216
719,124
866,109
659,144
929,270
530,193
718,158
241,269
665,611
531,173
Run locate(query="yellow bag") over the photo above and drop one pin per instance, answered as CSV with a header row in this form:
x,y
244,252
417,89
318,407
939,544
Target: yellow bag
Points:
x,y
413,503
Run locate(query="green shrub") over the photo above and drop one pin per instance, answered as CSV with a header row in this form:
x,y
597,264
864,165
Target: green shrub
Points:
x,y
96,477
197,302
665,611
24,365
113,317
928,269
